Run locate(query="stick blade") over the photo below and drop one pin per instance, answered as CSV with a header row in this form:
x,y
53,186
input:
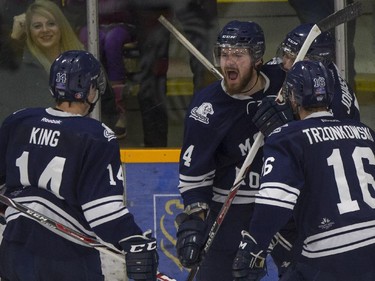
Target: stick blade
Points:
x,y
346,14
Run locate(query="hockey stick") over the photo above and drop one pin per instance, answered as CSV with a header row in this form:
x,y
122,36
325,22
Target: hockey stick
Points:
x,y
346,14
190,47
228,201
71,234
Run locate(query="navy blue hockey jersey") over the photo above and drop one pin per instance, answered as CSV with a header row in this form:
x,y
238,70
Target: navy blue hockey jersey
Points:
x,y
218,135
344,104
67,167
321,171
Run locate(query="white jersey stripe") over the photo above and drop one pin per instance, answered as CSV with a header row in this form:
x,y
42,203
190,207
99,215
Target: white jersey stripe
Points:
x,y
340,240
242,197
197,178
281,186
109,218
103,200
103,210
39,204
187,183
276,203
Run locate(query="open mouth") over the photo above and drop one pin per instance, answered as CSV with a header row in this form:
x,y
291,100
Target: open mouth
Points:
x,y
232,75
46,37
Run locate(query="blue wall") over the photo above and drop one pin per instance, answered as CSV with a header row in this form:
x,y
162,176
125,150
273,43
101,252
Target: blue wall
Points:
x,y
153,198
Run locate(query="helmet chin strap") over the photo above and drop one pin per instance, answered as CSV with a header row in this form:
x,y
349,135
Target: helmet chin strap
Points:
x,y
296,112
252,87
256,67
92,104
91,108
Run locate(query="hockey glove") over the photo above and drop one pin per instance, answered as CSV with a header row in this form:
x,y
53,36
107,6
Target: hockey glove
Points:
x,y
249,263
141,257
191,236
271,115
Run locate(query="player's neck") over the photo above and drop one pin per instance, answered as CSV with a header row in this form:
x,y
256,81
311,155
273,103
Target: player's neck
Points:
x,y
303,112
256,84
73,107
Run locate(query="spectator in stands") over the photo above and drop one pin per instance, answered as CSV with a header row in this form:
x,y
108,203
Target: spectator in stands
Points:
x,y
198,19
42,33
12,16
114,32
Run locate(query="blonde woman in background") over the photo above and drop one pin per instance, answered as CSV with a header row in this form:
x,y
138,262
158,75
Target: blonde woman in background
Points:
x,y
47,34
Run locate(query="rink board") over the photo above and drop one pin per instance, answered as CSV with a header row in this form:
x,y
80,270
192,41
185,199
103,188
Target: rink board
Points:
x,y
152,196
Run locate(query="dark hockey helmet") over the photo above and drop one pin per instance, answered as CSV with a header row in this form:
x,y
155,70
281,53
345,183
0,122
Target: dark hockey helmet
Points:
x,y
322,48
72,74
309,84
241,34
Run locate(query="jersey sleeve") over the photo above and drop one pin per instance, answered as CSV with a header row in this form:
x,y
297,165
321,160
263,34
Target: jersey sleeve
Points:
x,y
344,104
207,121
101,193
197,162
279,189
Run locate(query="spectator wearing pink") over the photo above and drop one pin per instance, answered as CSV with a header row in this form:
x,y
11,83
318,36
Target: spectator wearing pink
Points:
x,y
113,34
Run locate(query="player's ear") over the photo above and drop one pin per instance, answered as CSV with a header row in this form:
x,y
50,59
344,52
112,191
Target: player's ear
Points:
x,y
91,97
258,64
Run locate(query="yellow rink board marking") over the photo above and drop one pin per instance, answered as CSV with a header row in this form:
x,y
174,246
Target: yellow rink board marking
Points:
x,y
145,155
365,82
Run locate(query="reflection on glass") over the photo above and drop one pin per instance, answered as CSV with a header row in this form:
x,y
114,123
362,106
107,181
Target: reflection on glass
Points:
x,y
153,77
38,35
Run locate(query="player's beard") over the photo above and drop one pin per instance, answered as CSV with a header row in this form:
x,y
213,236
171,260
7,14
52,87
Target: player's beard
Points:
x,y
243,85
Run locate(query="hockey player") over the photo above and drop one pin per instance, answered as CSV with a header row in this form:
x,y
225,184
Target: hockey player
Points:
x,y
344,104
67,166
319,170
218,134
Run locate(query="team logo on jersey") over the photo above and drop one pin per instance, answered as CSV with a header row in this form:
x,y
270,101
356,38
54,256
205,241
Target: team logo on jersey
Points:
x,y
200,113
108,133
326,223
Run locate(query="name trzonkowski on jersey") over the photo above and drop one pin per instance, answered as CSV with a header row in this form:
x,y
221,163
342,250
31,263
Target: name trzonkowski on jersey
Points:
x,y
321,134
